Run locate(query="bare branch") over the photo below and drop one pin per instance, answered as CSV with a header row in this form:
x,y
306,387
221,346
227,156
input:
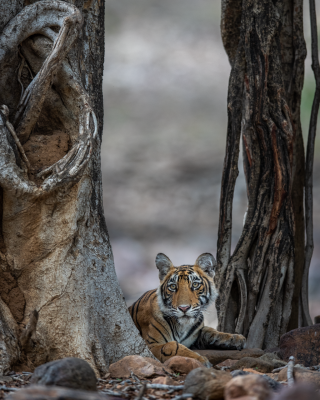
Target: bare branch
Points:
x,y
290,371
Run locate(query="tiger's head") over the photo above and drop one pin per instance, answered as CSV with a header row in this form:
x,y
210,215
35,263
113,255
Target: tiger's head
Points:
x,y
186,291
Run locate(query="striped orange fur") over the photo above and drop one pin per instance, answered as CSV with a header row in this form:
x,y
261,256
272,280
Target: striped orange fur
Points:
x,y
170,318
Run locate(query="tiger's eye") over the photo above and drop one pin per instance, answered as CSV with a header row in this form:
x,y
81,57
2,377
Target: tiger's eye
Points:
x,y
195,284
172,287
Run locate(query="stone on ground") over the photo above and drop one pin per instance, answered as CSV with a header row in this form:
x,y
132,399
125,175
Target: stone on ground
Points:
x,y
252,387
273,359
56,393
303,344
70,372
164,380
226,364
298,392
302,375
182,365
254,363
5,379
218,356
143,367
206,383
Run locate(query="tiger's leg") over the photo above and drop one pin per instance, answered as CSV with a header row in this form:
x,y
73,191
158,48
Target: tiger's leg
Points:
x,y
170,349
210,338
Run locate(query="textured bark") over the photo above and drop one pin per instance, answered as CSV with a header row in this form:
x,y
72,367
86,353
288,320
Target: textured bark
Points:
x,y
309,166
59,295
260,283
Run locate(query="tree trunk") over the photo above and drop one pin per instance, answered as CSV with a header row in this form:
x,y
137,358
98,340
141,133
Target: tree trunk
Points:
x,y
59,292
260,283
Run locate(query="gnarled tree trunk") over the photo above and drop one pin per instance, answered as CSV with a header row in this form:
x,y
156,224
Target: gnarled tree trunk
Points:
x,y
59,295
260,284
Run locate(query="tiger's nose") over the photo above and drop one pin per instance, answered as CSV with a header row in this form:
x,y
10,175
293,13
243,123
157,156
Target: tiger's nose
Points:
x,y
184,308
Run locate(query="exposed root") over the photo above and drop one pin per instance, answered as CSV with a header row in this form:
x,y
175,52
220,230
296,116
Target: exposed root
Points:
x,y
25,338
5,111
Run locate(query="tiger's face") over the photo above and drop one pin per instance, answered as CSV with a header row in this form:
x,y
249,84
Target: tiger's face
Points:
x,y
186,291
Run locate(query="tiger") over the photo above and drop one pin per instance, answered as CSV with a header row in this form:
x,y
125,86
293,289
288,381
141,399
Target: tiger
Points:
x,y
170,318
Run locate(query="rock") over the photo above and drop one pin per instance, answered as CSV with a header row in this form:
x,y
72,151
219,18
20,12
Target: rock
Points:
x,y
253,387
226,364
4,379
302,375
56,393
238,372
218,356
273,359
273,350
143,367
303,344
252,371
298,392
270,356
70,372
206,383
182,365
164,380
274,385
254,363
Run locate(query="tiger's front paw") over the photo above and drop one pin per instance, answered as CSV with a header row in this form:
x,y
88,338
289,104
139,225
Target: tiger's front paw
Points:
x,y
238,341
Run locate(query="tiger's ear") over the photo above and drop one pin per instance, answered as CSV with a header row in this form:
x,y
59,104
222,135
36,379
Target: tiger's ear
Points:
x,y
207,263
163,264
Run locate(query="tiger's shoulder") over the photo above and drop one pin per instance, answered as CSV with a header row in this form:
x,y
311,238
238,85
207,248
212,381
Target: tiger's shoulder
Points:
x,y
144,309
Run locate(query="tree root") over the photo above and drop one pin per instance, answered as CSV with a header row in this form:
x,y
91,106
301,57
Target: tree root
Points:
x,y
5,111
25,337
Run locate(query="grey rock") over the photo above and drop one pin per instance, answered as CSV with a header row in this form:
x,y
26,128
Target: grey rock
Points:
x,y
273,359
5,378
274,385
239,372
70,372
298,392
206,383
255,363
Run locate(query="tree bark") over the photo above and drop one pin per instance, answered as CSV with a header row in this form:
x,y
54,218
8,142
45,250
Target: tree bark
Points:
x,y
59,295
263,277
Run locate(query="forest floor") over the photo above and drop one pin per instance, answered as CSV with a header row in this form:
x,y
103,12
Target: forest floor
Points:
x,y
120,388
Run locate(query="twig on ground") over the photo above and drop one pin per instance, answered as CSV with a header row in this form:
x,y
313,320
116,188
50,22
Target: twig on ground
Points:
x,y
183,396
290,371
116,394
9,389
142,392
159,386
133,376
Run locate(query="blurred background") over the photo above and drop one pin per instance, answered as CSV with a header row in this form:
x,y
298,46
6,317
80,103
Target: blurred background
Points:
x,y
165,95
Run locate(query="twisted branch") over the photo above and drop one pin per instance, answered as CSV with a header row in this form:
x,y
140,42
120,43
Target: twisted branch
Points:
x,y
38,19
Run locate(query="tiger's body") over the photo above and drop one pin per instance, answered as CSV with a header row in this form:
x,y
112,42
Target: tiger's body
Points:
x,y
170,318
